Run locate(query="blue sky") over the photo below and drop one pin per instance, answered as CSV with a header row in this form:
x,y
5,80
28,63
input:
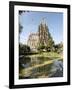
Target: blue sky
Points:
x,y
31,20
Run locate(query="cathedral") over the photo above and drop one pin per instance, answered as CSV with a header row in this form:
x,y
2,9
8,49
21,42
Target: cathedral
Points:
x,y
33,41
40,37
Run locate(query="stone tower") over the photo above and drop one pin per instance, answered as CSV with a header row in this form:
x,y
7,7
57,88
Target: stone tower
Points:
x,y
43,33
33,41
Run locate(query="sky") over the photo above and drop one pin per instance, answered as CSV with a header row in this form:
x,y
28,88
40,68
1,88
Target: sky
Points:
x,y
30,21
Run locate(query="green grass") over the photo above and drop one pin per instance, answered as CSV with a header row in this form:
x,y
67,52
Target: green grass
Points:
x,y
46,54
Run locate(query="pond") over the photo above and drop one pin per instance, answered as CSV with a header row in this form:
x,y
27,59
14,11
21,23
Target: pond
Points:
x,y
40,67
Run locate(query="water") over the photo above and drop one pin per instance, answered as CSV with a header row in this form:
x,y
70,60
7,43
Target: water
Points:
x,y
40,67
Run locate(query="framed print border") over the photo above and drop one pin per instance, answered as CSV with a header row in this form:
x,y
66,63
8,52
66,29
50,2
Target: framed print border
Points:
x,y
12,5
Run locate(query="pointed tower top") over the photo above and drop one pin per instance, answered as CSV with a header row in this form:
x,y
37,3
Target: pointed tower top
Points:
x,y
43,20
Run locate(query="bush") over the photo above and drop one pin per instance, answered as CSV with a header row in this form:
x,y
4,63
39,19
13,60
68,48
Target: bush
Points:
x,y
24,49
41,47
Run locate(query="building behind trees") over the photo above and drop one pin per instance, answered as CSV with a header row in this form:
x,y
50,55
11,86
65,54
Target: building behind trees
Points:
x,y
41,39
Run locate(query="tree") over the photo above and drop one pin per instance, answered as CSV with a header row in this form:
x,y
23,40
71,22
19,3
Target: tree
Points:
x,y
41,47
58,47
50,42
24,49
20,28
20,12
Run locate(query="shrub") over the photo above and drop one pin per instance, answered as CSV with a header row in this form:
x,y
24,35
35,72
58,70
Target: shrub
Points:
x,y
24,49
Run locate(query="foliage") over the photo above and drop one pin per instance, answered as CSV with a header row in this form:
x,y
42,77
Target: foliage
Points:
x,y
50,45
20,28
20,12
41,47
24,49
58,47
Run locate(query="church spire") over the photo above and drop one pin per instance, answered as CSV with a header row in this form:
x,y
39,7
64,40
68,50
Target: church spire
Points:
x,y
43,20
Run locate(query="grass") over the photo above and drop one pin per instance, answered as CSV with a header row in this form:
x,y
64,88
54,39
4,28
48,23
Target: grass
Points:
x,y
46,54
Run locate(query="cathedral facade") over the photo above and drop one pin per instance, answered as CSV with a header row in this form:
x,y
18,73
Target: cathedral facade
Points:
x,y
33,41
38,38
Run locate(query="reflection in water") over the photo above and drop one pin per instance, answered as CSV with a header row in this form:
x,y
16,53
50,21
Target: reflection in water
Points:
x,y
57,69
37,67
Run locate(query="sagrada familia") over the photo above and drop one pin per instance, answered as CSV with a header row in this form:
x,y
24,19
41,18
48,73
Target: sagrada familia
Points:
x,y
40,37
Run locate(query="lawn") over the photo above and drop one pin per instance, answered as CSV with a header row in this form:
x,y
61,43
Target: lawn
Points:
x,y
46,54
